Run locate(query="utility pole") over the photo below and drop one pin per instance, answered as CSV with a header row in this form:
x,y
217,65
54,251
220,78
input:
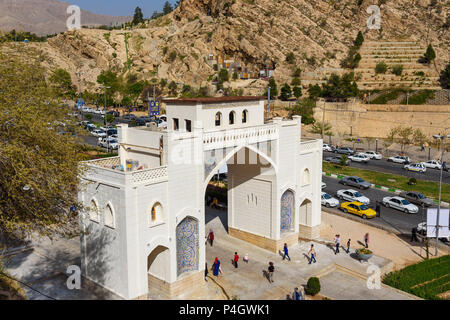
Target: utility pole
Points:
x,y
268,99
442,138
323,118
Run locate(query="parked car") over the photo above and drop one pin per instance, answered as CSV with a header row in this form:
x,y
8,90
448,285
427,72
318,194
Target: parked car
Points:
x,y
327,147
422,229
344,150
359,209
417,198
328,201
324,185
128,117
108,142
98,133
373,155
401,204
146,119
337,160
432,164
111,132
399,159
359,158
355,182
91,127
416,167
352,195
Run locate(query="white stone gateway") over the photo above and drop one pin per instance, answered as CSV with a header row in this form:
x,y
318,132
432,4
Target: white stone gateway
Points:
x,y
143,229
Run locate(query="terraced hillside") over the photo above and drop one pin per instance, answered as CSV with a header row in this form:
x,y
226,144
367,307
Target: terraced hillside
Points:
x,y
415,75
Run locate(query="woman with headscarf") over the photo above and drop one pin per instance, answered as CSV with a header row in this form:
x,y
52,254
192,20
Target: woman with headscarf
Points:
x,y
216,267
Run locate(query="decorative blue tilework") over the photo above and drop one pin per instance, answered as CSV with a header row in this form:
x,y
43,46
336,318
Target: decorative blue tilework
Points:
x,y
287,211
187,246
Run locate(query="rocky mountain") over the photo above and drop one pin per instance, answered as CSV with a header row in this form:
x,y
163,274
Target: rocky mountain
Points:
x,y
44,17
314,35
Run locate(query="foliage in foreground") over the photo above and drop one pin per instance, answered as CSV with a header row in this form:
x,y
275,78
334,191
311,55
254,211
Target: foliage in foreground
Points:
x,y
313,286
426,279
38,153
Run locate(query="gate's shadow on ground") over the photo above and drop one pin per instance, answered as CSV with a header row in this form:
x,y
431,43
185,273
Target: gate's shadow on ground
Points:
x,y
211,214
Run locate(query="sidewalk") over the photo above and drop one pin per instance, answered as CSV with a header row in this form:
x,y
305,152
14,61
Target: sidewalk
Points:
x,y
342,276
384,244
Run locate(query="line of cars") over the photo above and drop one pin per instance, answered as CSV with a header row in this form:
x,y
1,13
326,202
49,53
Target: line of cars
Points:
x,y
353,201
365,157
107,135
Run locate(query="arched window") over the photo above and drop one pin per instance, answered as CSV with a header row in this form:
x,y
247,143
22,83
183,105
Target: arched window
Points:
x,y
218,119
232,116
156,214
93,212
244,116
306,177
109,217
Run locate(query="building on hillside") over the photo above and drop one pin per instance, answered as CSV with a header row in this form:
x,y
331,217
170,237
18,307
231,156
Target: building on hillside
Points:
x,y
143,228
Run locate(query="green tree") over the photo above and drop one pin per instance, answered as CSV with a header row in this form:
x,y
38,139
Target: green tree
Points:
x,y
405,137
286,92
273,88
297,92
315,91
290,57
430,54
445,77
138,16
359,40
173,88
313,286
62,82
223,75
296,81
167,8
39,156
305,109
110,118
381,67
318,126
109,78
397,70
297,73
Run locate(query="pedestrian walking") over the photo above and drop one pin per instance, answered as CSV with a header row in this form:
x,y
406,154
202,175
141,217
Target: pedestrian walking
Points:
x,y
296,294
236,259
211,237
245,258
286,252
414,235
366,240
337,241
271,270
216,267
378,209
422,148
302,293
348,245
206,272
312,254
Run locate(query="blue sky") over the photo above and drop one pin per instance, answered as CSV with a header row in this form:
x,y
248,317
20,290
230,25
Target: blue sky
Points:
x,y
120,7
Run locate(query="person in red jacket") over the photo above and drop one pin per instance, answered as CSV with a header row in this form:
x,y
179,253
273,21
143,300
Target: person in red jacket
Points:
x,y
211,237
236,259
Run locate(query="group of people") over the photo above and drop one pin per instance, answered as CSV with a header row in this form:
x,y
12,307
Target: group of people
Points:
x,y
337,242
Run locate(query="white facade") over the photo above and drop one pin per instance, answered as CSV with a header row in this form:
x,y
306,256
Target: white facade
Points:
x,y
158,207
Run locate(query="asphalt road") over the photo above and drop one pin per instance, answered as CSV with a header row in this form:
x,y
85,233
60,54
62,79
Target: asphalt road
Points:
x,y
389,218
388,167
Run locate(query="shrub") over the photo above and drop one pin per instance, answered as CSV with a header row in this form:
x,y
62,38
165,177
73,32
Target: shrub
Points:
x,y
397,70
344,159
290,57
172,56
313,286
381,67
430,54
412,181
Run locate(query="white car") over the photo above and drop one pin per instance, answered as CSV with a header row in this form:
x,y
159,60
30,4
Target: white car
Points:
x,y
324,185
372,155
400,204
99,133
113,143
416,167
399,159
359,158
352,195
326,147
328,201
432,164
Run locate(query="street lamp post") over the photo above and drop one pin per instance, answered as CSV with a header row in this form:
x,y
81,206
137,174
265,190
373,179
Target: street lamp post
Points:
x,y
376,145
442,139
104,117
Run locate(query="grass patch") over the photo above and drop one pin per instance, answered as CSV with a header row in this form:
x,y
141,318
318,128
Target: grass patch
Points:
x,y
388,96
428,188
426,279
419,98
